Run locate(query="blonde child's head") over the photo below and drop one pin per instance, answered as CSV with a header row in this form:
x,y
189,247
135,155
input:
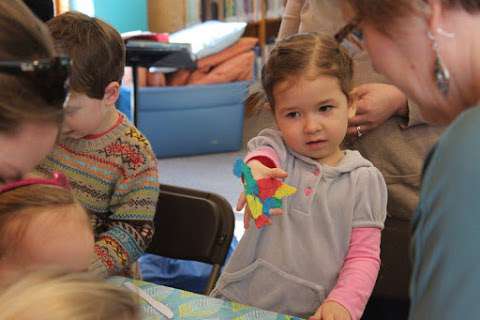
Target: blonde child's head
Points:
x,y
54,295
42,225
306,83
98,54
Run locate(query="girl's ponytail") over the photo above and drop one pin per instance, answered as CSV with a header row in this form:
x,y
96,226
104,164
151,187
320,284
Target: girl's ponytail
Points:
x,y
256,101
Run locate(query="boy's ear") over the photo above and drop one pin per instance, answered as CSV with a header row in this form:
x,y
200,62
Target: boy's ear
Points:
x,y
112,92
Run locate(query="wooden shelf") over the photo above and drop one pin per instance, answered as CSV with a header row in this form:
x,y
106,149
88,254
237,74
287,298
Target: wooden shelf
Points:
x,y
267,21
270,29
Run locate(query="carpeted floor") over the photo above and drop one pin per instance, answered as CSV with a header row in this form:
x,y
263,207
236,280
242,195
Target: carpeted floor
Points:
x,y
207,173
213,172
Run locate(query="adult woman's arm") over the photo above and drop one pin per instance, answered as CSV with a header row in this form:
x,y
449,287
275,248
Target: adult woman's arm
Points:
x,y
414,116
290,18
446,227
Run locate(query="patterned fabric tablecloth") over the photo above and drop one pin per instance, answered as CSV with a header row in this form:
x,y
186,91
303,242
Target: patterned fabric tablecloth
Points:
x,y
192,306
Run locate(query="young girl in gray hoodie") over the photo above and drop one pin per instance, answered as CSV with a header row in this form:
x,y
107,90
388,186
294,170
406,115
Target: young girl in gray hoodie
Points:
x,y
321,257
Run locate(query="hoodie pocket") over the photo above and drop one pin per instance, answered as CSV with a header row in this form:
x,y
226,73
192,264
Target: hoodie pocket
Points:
x,y
265,286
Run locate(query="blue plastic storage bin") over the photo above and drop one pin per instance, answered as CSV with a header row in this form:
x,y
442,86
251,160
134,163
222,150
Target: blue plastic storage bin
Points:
x,y
124,102
193,119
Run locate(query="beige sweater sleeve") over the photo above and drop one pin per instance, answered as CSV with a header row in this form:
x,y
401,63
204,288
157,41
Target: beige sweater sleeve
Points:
x,y
414,115
291,18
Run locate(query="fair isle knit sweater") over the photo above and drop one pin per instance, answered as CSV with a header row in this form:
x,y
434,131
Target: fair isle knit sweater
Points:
x,y
113,175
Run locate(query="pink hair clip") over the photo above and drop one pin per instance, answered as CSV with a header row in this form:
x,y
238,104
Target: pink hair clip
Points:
x,y
58,179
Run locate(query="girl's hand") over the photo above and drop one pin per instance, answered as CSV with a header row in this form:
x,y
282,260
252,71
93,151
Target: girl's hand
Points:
x,y
375,103
259,171
331,310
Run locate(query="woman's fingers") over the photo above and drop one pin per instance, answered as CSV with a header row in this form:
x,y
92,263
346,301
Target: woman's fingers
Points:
x,y
359,91
359,120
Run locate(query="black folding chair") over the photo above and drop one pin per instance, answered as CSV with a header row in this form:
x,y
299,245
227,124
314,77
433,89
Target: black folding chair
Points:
x,y
193,225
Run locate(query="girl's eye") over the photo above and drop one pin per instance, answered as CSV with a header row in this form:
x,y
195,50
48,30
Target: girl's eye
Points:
x,y
325,108
293,115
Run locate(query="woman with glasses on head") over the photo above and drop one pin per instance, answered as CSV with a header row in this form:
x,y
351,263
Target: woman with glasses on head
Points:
x,y
32,91
430,49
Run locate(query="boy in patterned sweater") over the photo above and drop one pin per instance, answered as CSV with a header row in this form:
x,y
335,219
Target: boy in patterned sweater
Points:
x,y
109,163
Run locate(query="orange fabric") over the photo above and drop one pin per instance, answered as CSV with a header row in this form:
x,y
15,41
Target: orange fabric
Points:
x,y
235,63
239,68
179,78
156,79
142,77
244,44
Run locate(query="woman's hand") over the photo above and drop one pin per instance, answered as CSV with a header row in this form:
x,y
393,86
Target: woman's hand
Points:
x,y
259,171
331,310
375,103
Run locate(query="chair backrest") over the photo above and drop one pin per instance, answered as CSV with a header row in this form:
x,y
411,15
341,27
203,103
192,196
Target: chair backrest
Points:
x,y
394,277
193,225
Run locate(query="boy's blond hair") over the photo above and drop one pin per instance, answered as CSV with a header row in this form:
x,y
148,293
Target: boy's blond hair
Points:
x,y
54,295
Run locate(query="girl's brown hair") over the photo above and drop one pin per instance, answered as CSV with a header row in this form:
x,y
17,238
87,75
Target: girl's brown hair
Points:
x,y
54,295
309,55
383,13
23,38
19,206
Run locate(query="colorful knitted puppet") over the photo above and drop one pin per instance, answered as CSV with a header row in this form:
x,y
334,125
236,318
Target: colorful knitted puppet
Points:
x,y
263,194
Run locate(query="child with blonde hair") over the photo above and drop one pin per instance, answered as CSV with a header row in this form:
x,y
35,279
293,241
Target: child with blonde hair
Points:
x,y
109,163
322,255
54,295
42,225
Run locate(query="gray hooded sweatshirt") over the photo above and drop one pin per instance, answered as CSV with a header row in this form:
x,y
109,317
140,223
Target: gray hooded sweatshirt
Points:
x,y
291,265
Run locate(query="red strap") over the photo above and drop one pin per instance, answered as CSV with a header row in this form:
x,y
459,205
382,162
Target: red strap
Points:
x,y
59,180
